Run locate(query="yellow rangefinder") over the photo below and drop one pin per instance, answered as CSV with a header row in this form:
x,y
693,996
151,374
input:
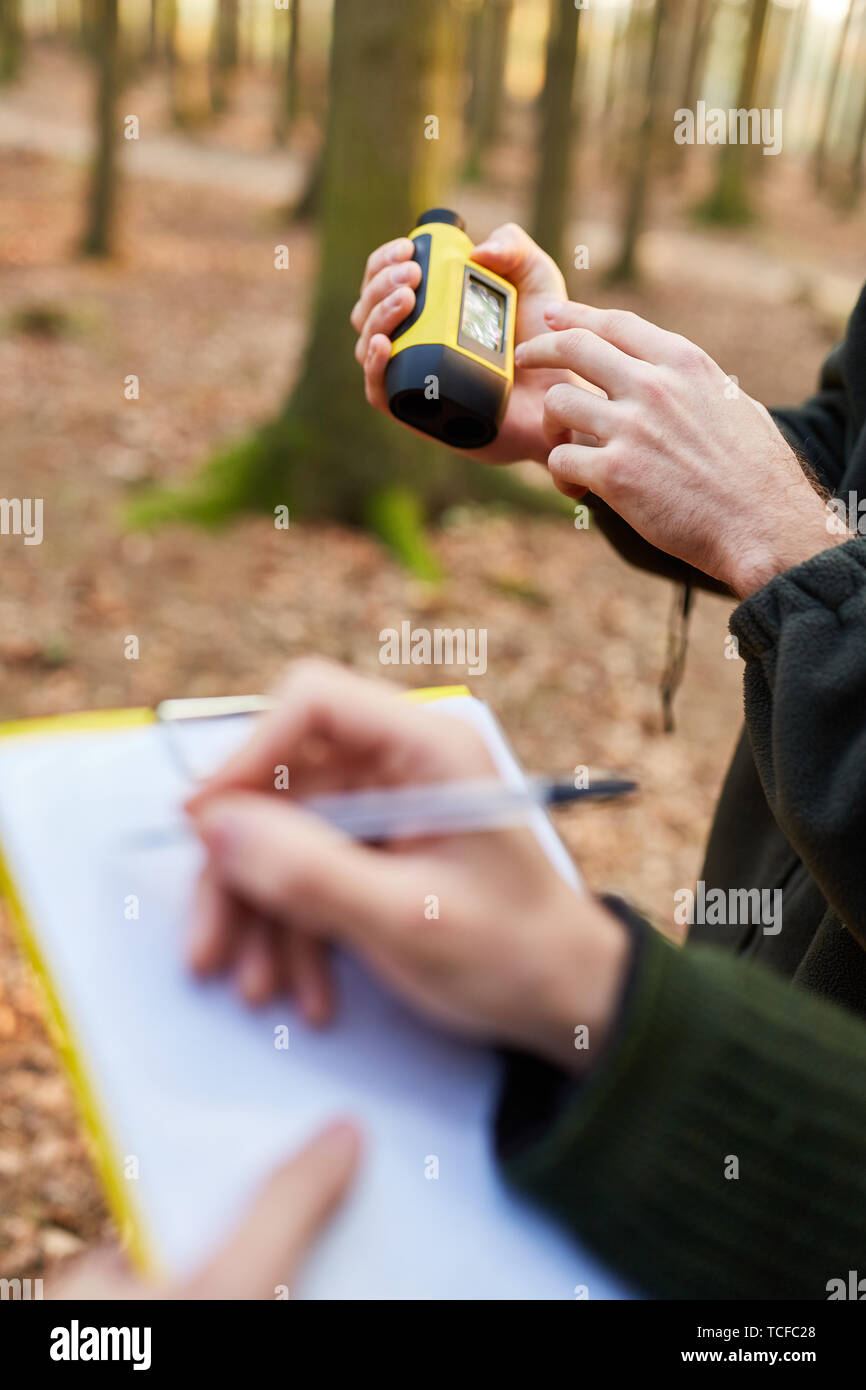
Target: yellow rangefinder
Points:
x,y
452,361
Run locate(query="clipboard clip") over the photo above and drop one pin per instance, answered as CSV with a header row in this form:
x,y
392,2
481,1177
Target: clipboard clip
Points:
x,y
172,714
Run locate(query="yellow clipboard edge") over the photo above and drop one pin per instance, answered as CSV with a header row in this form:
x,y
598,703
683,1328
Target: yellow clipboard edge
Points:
x,y
435,692
84,722
97,1130
105,1154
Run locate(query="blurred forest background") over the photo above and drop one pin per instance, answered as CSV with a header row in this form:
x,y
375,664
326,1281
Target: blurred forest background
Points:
x,y
188,192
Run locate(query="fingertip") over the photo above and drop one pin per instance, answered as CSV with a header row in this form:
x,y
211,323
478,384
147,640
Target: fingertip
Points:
x,y
378,352
554,458
572,490
564,313
317,1000
255,972
210,935
331,1158
492,247
200,957
251,987
213,822
217,784
314,1011
406,275
402,249
341,1140
560,466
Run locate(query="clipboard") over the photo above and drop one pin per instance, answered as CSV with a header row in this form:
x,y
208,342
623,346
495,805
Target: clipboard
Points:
x,y
525,1251
97,1130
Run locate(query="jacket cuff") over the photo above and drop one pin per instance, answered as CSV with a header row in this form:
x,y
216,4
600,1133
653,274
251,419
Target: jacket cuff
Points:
x,y
534,1092
536,1096
829,579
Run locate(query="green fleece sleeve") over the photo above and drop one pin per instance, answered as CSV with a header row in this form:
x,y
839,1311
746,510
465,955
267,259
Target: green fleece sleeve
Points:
x,y
802,639
818,429
718,1149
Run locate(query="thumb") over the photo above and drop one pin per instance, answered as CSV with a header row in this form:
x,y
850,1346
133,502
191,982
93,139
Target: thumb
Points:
x,y
286,861
511,252
267,1247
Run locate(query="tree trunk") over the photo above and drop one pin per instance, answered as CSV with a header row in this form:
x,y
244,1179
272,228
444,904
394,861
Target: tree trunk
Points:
x,y
616,64
289,88
671,59
488,51
556,132
696,59
797,29
225,52
859,152
11,40
379,173
819,157
327,454
168,8
102,199
625,267
729,201
699,44
153,32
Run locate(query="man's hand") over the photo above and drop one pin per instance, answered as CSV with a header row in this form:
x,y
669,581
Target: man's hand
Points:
x,y
693,464
266,1250
510,953
388,295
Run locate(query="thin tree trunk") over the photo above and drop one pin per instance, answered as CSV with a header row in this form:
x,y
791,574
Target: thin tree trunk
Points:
x,y
699,45
819,157
102,199
225,52
795,45
153,32
729,201
625,267
11,40
169,39
290,88
488,52
669,64
859,152
696,60
557,124
613,107
612,79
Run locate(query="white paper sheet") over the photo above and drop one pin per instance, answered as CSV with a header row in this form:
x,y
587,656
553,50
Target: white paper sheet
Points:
x,y
193,1084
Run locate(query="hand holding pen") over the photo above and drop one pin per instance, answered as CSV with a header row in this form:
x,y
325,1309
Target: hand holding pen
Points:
x,y
477,930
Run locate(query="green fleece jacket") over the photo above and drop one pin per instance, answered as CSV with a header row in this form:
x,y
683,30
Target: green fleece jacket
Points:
x,y
792,813
719,1148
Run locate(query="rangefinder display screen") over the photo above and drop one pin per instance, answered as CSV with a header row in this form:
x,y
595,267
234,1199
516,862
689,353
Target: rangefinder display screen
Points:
x,y
483,315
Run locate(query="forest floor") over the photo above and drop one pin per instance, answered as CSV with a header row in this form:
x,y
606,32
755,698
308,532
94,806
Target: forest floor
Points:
x,y
575,637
